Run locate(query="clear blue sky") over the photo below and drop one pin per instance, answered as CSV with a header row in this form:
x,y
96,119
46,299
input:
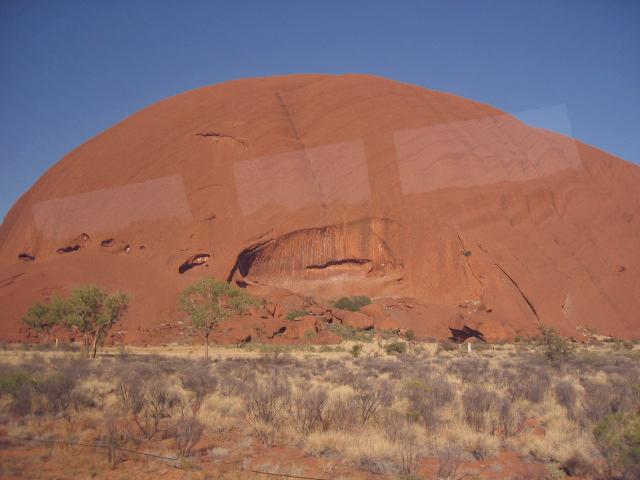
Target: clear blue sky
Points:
x,y
70,69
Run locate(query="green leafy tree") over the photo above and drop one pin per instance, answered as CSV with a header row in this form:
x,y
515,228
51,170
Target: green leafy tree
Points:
x,y
93,312
209,301
39,319
43,318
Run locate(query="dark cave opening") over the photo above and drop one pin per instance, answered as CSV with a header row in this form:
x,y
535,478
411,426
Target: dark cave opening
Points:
x,y
245,259
69,248
460,335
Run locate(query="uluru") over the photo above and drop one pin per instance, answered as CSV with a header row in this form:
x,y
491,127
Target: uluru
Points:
x,y
306,188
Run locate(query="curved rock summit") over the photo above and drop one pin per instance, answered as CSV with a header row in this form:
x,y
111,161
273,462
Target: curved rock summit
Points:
x,y
329,186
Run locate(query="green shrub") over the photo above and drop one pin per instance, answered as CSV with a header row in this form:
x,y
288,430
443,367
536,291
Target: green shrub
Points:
x,y
349,333
356,350
394,348
352,303
296,314
618,439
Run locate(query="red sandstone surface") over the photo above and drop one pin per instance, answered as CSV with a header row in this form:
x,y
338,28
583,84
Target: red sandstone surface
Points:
x,y
305,188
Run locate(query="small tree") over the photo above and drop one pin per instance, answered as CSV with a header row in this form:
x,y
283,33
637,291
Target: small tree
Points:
x,y
554,346
39,319
93,312
208,302
45,317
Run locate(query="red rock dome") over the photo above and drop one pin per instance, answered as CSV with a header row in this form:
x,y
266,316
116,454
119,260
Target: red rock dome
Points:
x,y
334,185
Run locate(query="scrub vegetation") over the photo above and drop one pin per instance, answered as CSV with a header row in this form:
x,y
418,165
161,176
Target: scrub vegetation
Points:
x,y
420,411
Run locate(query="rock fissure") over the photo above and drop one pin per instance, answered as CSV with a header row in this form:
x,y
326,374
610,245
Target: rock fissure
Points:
x,y
467,253
341,261
522,294
213,134
306,155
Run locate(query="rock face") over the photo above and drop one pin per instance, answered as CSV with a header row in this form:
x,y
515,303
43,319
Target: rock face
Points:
x,y
330,186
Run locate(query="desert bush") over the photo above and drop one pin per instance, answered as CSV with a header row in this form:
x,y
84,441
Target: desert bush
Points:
x,y
199,381
267,401
342,413
22,401
618,439
577,465
341,375
624,394
18,385
370,397
116,432
410,450
510,420
187,431
348,332
308,410
530,383
448,346
599,403
470,370
352,303
395,348
427,398
476,402
276,355
449,459
567,396
356,350
266,433
481,445
59,389
393,423
371,462
147,400
12,380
